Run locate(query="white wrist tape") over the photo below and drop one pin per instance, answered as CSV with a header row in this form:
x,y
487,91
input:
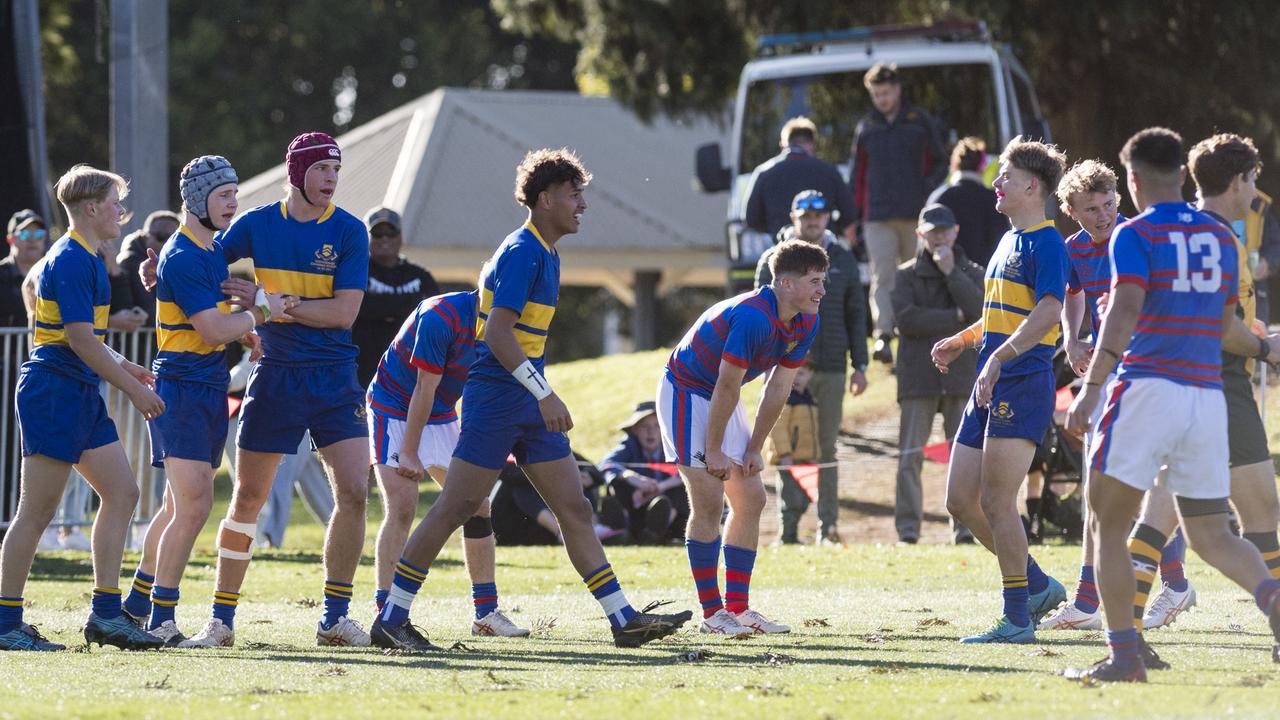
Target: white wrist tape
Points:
x,y
533,381
114,355
261,301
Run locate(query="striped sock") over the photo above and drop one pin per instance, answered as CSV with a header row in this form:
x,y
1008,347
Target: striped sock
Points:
x,y
604,586
10,613
404,587
1171,562
337,600
139,601
224,607
106,602
1015,599
164,603
1265,594
1037,581
485,597
1144,545
380,597
738,563
1124,646
704,561
1087,591
1269,546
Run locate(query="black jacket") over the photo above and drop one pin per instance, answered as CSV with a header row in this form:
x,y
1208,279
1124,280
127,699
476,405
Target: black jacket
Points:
x,y
13,313
127,290
391,295
924,307
778,180
974,205
894,165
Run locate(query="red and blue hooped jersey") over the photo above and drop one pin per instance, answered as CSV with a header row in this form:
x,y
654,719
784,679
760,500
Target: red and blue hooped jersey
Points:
x,y
1187,263
1090,272
745,331
439,337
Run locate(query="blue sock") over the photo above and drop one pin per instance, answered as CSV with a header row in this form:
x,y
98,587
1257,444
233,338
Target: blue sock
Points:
x,y
224,607
106,602
1015,599
704,562
738,564
1265,594
404,587
380,597
10,613
1087,591
604,586
1124,646
485,597
139,601
1037,581
337,600
164,602
1171,558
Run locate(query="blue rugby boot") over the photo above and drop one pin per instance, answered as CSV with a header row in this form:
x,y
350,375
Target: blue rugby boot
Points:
x,y
1005,631
120,632
27,637
1045,601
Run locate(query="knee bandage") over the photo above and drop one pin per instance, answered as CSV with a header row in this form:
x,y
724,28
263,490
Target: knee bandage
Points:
x,y
248,529
477,527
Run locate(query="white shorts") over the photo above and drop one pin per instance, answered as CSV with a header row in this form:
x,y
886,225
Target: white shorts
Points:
x,y
386,438
682,416
1150,424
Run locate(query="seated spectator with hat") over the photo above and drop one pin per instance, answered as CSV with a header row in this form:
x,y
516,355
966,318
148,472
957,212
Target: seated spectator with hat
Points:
x,y
654,497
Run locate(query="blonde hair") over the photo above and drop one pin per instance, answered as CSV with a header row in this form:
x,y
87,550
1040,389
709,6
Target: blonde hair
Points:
x,y
84,183
1045,162
1086,176
797,129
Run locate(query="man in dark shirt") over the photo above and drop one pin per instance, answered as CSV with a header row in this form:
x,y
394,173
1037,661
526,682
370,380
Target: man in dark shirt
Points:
x,y
796,169
972,201
396,286
156,231
28,239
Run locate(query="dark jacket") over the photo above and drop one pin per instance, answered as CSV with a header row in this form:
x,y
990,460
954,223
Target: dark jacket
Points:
x,y
628,452
777,182
127,290
842,315
13,313
894,165
391,295
974,205
924,306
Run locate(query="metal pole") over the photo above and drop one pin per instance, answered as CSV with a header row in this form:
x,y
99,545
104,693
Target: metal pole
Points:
x,y
140,103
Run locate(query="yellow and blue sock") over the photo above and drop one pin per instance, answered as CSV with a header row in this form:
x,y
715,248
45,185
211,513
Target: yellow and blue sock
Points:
x,y
224,607
1267,544
404,587
704,562
1124,646
1037,581
337,601
1016,598
1145,545
1087,591
485,597
380,597
604,586
106,602
139,601
1171,557
738,564
10,614
164,603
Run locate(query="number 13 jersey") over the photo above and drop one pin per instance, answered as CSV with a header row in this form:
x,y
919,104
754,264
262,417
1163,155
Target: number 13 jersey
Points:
x,y
1186,261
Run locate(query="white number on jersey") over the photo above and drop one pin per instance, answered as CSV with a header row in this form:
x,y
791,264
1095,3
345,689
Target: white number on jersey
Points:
x,y
1204,246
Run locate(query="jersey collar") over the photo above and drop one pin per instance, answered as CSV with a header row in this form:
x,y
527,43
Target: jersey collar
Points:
x,y
184,230
80,239
1038,226
534,230
328,212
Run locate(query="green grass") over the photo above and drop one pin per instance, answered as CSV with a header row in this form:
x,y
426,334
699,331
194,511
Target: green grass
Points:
x,y
880,642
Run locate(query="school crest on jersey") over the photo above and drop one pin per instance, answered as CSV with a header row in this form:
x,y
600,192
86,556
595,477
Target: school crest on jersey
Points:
x,y
326,258
1003,413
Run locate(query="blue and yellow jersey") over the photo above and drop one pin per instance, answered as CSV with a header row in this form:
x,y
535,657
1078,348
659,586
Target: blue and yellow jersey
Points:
x,y
1188,263
309,259
1090,272
439,338
524,276
73,288
1026,266
746,331
189,281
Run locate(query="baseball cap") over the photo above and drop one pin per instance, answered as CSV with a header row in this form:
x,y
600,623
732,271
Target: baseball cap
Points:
x,y
380,215
810,201
23,218
936,215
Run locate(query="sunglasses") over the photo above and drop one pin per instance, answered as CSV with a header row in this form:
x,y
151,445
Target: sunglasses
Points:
x,y
29,235
811,203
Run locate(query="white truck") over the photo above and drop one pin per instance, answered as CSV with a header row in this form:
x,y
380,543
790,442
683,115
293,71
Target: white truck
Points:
x,y
954,71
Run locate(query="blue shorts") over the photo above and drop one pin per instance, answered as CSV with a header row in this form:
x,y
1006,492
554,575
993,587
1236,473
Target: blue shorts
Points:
x,y
1021,407
282,402
60,417
500,420
193,425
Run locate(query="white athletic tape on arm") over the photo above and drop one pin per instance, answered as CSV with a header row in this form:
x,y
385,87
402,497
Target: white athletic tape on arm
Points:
x,y
533,381
261,301
248,529
114,355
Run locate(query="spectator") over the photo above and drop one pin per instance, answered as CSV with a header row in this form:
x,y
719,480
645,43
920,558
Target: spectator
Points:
x,y
936,295
842,338
521,517
972,201
395,288
796,168
897,158
28,239
156,231
1261,234
654,499
794,441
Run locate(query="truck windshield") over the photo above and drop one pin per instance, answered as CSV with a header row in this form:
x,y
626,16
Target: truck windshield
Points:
x,y
960,97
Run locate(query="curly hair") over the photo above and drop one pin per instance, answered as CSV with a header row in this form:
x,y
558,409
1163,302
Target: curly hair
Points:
x,y
1086,176
1217,160
1046,162
540,169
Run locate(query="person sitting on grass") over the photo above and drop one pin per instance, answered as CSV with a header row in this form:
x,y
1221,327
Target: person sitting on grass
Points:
x,y
654,498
